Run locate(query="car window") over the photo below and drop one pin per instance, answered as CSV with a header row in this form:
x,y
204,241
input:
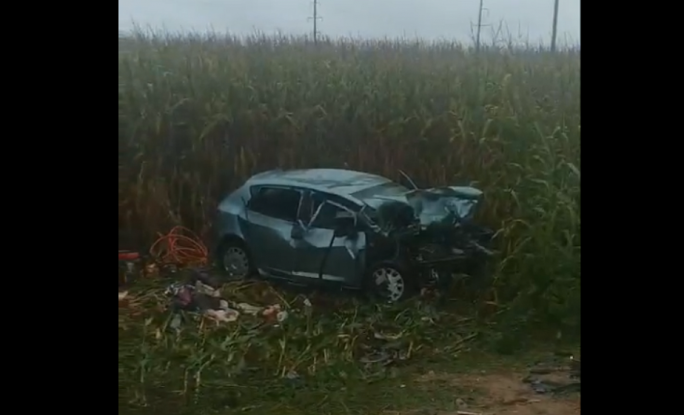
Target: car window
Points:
x,y
312,200
276,202
326,216
317,199
308,205
306,209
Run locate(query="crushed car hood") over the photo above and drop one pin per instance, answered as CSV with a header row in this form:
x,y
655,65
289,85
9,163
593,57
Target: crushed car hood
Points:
x,y
442,205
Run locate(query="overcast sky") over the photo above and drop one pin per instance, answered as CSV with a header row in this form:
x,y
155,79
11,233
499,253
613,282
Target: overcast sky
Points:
x,y
429,19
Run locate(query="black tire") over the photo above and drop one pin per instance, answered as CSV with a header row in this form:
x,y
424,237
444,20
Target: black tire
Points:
x,y
231,250
392,270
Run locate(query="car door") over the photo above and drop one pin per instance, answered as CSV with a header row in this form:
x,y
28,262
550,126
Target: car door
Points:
x,y
271,214
319,253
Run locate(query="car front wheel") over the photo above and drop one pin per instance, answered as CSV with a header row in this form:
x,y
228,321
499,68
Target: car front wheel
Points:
x,y
234,259
390,282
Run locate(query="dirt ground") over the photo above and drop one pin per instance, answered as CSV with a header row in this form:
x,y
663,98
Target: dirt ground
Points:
x,y
496,394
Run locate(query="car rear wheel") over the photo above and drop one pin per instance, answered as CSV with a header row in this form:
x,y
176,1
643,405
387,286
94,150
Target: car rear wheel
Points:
x,y
390,282
234,259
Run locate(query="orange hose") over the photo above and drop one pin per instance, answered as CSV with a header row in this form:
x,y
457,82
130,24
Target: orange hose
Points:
x,y
180,247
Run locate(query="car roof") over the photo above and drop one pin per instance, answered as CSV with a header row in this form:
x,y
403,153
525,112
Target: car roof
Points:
x,y
337,181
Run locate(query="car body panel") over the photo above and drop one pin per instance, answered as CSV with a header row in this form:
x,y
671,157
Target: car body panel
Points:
x,y
342,262
320,253
270,243
335,181
231,211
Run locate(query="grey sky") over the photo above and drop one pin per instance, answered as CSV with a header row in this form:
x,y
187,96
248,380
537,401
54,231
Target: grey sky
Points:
x,y
430,19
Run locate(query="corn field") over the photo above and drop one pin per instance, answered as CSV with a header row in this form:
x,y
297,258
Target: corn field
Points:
x,y
200,114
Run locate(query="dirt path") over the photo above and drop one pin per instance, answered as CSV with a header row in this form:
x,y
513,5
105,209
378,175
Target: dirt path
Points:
x,y
495,394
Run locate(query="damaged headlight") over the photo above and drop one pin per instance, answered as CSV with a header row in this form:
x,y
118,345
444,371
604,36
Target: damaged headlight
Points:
x,y
464,209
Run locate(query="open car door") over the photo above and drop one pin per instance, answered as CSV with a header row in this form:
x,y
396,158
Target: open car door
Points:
x,y
325,252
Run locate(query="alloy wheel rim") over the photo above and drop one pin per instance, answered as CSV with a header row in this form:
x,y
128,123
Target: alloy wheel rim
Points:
x,y
235,262
390,283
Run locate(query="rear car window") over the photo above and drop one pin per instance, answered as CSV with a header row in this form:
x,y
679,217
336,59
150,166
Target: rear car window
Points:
x,y
276,202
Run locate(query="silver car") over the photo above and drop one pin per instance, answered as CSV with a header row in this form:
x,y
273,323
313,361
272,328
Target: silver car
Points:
x,y
354,229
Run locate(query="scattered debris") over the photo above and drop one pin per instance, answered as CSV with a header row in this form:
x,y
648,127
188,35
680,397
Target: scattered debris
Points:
x,y
180,247
227,315
575,367
386,349
204,276
554,377
281,316
123,295
202,294
151,270
196,295
176,321
129,264
383,336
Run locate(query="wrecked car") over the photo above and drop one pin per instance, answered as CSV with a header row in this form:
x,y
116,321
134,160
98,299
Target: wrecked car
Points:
x,y
355,229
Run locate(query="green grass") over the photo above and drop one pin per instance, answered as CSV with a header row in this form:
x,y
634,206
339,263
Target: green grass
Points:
x,y
200,114
315,362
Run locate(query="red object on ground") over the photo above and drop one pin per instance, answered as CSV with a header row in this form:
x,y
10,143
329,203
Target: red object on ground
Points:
x,y
180,247
128,255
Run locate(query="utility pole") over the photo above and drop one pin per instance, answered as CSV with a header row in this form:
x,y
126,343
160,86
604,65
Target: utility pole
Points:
x,y
554,33
315,19
479,25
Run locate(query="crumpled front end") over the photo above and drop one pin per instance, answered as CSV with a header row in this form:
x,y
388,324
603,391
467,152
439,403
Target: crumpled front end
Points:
x,y
445,205
423,208
434,225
